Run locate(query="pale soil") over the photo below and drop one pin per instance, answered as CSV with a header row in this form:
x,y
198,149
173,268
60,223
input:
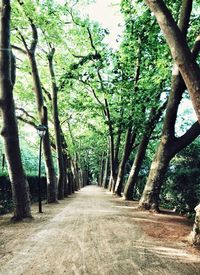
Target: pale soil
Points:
x,y
95,234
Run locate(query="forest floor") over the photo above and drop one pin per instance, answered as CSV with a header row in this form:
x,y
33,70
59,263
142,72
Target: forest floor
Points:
x,y
93,233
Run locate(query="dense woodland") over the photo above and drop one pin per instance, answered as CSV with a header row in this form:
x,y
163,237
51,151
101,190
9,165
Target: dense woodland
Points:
x,y
116,118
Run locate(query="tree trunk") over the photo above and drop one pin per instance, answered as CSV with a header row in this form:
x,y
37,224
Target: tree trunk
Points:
x,y
154,117
105,176
51,186
102,166
150,196
62,176
130,139
67,161
195,234
69,174
129,187
51,177
116,157
9,132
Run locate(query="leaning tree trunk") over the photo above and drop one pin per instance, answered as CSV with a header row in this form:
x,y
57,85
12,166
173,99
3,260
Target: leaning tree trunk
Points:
x,y
167,149
129,187
154,117
105,176
9,132
62,176
159,166
43,117
42,111
67,161
102,167
130,139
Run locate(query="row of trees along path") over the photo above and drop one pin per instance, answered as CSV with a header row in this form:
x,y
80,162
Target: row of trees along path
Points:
x,y
129,119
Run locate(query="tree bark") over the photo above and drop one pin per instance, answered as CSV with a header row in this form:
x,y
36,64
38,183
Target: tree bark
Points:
x,y
130,139
150,196
112,148
67,161
129,187
155,115
102,166
42,110
9,132
195,234
43,117
62,176
105,176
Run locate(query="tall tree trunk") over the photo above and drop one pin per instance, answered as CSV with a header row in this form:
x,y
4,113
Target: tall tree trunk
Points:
x,y
9,132
75,164
102,166
129,187
112,148
159,166
105,176
51,178
42,111
130,139
62,176
67,161
116,155
43,117
69,174
155,115
167,149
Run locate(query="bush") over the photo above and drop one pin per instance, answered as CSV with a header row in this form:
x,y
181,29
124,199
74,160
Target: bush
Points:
x,y
6,203
181,190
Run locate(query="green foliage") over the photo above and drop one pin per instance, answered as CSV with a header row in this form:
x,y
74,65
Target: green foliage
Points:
x,y
182,190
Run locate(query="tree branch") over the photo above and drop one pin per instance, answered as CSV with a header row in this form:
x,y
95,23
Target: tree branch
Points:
x,y
34,33
27,121
18,49
25,113
192,133
91,40
47,93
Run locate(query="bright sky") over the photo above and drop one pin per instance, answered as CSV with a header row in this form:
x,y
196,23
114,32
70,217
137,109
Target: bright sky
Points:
x,y
107,13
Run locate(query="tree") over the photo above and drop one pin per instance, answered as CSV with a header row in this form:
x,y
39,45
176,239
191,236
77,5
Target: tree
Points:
x,y
184,60
142,56
41,108
9,132
62,176
169,144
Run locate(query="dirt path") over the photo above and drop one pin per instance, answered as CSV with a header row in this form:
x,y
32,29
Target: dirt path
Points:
x,y
91,234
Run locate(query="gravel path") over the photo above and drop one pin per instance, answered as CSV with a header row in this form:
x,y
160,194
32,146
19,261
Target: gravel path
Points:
x,y
90,234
